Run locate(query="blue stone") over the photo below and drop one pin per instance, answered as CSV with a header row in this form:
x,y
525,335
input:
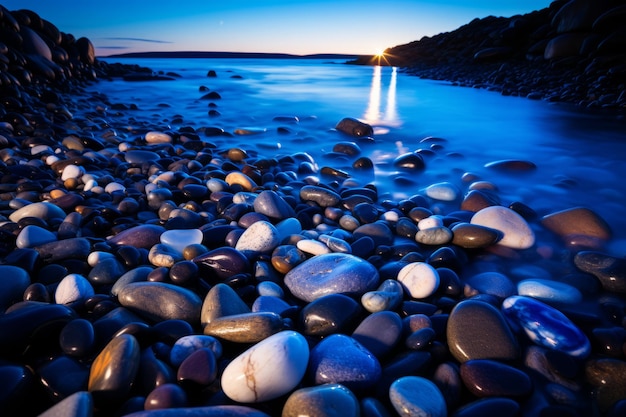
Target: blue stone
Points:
x,y
187,345
546,326
340,359
269,303
417,396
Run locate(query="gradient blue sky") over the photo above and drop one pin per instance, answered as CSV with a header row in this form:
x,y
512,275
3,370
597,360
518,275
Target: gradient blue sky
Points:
x,y
289,26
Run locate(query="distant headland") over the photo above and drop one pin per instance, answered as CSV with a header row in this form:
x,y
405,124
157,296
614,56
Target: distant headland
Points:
x,y
247,55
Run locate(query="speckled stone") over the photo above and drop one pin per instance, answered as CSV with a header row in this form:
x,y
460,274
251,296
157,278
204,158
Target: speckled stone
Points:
x,y
260,237
330,274
245,328
340,359
414,396
328,400
608,376
268,369
516,232
487,378
477,330
159,301
220,301
546,326
610,271
434,236
114,370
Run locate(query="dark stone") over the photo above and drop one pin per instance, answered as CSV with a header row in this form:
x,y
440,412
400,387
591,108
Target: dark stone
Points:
x,y
487,378
333,313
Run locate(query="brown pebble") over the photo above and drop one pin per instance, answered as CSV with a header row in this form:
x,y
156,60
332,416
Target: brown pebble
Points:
x,y
477,200
473,236
577,221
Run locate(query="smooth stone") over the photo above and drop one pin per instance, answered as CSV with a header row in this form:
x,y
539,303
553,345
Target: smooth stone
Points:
x,y
608,376
477,330
136,156
331,274
420,339
379,332
610,270
41,210
63,376
79,404
166,396
260,237
213,411
269,288
246,327
161,255
340,359
443,191
288,227
419,279
489,407
379,232
113,187
477,199
474,236
322,196
577,221
77,338
446,377
512,165
159,301
270,303
13,283
96,257
287,257
273,206
549,291
329,400
187,345
416,396
179,239
142,236
153,137
198,369
241,179
139,274
387,296
492,283
107,271
434,236
114,369
221,301
32,236
516,233
546,326
223,263
332,313
267,370
410,161
312,247
73,248
354,127
74,288
487,378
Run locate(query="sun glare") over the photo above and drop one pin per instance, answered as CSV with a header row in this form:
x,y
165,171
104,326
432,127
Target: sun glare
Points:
x,y
379,57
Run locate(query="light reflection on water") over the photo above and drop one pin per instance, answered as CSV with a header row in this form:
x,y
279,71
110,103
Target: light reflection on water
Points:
x,y
580,156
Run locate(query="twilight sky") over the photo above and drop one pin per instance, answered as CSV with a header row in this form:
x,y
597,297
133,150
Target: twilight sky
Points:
x,y
291,26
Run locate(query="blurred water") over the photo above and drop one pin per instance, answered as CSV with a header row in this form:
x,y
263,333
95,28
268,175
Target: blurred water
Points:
x,y
579,155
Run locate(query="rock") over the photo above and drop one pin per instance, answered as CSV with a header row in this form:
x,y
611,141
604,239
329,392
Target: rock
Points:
x,y
577,221
221,301
492,283
13,283
59,250
434,236
246,327
239,178
387,296
106,271
443,191
322,196
332,313
198,369
419,279
273,206
45,211
410,161
512,165
158,301
417,396
79,404
32,236
489,407
380,233
312,247
223,263
340,359
477,330
549,291
546,326
77,338
213,411
609,377
153,137
267,370
331,274
63,376
73,289
611,271
187,345
113,370
166,396
142,236
516,232
354,127
488,378
379,332
181,238
329,400
474,236
260,237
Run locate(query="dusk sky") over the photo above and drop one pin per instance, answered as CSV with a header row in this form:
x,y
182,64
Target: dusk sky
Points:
x,y
289,26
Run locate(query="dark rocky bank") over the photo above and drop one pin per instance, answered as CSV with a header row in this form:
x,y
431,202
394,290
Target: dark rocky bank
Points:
x,y
574,51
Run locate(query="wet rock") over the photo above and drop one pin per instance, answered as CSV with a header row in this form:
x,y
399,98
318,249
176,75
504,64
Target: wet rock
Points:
x,y
419,279
354,127
332,313
549,291
387,296
222,263
143,236
488,378
516,233
611,271
221,301
13,283
473,236
246,327
414,395
578,221
260,237
379,332
323,401
159,301
79,404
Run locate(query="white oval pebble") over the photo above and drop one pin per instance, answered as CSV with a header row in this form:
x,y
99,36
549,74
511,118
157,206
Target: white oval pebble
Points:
x,y
72,171
443,191
313,247
244,198
114,186
32,235
260,237
267,370
417,396
517,234
40,148
73,288
96,257
420,279
549,291
179,239
430,222
42,210
391,216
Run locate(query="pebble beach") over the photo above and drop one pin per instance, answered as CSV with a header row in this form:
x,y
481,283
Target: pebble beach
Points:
x,y
172,272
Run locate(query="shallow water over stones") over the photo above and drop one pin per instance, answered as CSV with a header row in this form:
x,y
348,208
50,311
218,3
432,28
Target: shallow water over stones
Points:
x,y
190,256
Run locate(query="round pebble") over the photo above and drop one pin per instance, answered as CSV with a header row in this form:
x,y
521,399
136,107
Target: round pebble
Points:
x,y
417,396
516,233
419,279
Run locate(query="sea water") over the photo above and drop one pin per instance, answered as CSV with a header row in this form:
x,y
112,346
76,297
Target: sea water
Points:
x,y
579,154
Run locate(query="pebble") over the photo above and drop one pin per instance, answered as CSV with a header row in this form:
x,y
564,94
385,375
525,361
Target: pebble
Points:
x,y
43,210
166,396
340,359
273,206
546,326
161,255
187,345
322,196
473,236
246,327
492,283
268,369
181,238
260,237
329,400
477,330
435,236
312,247
577,221
77,338
488,378
158,301
417,396
379,332
222,263
419,279
489,407
388,296
220,301
32,236
332,313
142,236
549,291
330,274
516,233
13,284
158,137
443,191
74,288
199,369
610,271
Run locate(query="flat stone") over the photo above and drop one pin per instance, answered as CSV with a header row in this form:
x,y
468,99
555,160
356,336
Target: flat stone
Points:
x,y
443,191
213,411
73,248
328,400
42,210
267,370
516,232
549,291
136,156
546,326
610,271
474,236
417,396
159,301
322,196
245,328
512,165
434,236
331,274
487,378
577,221
477,330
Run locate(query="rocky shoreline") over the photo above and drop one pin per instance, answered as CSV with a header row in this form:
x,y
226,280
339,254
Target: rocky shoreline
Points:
x,y
571,52
152,272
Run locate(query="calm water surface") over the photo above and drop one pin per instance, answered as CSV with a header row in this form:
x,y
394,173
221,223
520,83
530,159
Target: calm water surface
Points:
x,y
579,156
